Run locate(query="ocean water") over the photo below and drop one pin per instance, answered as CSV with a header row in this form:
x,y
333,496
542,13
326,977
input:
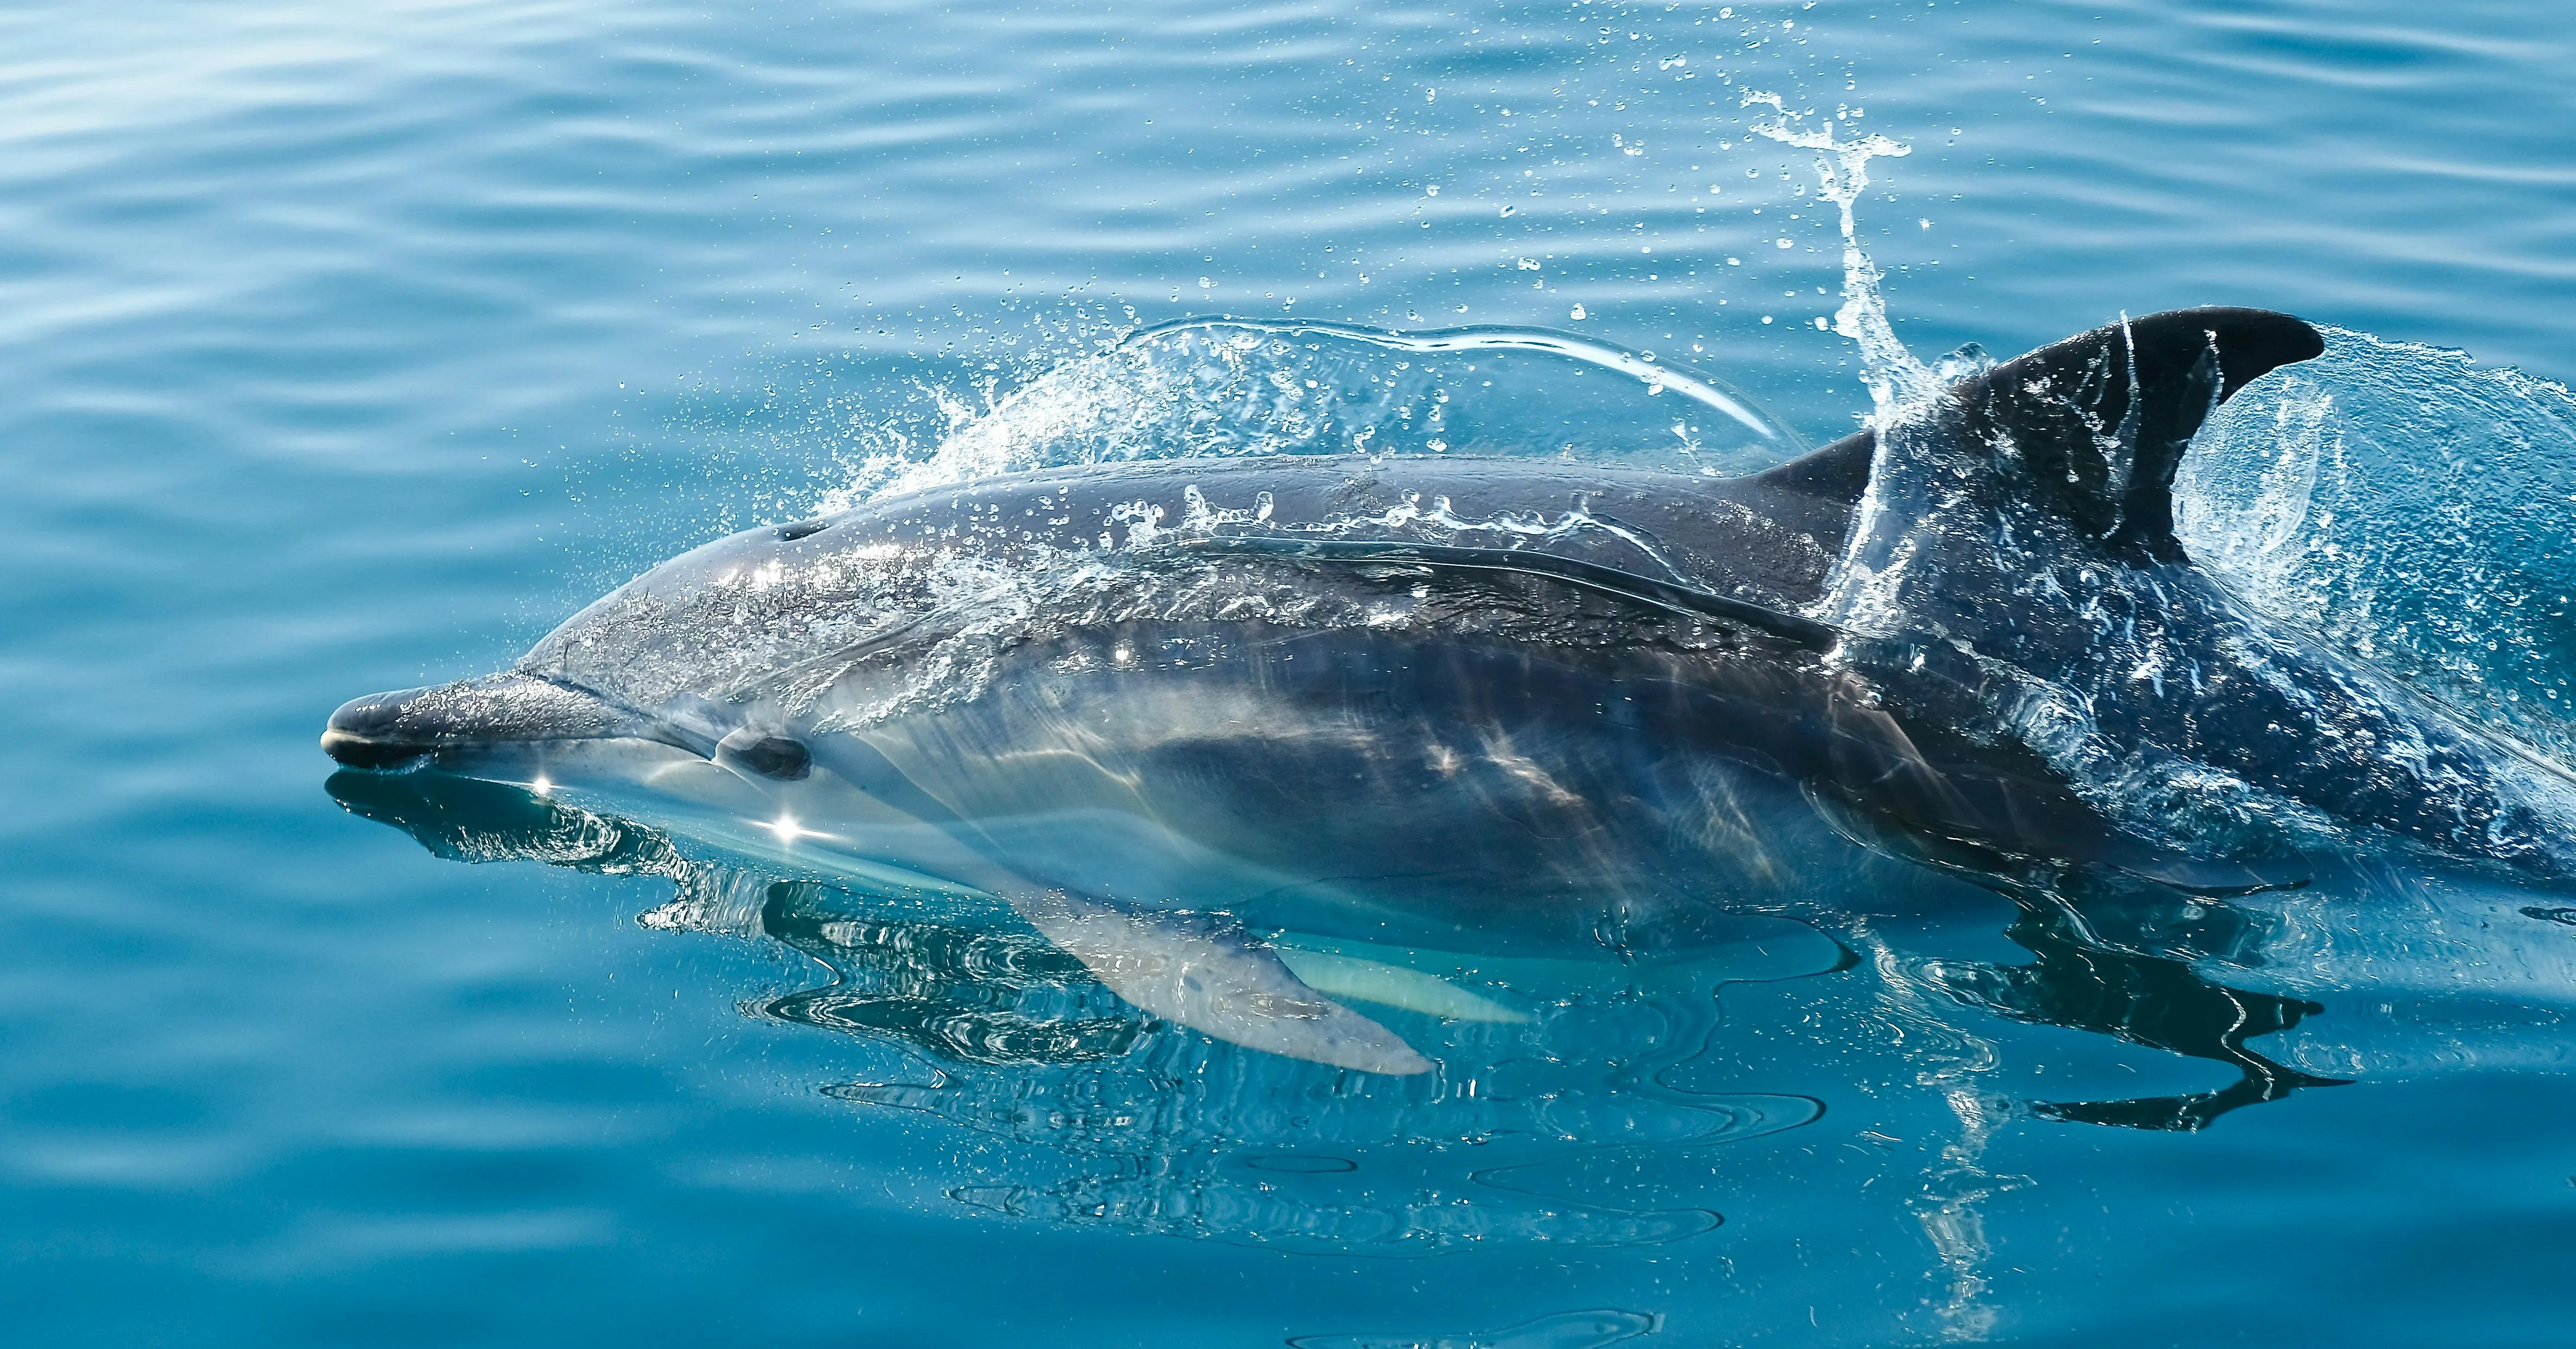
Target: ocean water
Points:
x,y
354,347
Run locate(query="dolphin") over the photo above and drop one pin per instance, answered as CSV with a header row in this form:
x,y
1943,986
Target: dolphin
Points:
x,y
1194,720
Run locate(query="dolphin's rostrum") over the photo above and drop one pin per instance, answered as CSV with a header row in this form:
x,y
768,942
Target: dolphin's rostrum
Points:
x,y
1164,709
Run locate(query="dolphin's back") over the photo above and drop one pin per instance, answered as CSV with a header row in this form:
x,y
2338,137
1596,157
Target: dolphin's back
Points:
x,y
2096,425
744,607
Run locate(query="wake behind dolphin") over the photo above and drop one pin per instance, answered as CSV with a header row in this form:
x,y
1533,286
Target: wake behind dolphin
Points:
x,y
1209,725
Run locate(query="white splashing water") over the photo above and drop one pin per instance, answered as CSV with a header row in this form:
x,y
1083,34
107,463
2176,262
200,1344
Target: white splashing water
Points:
x,y
2406,510
2397,507
1862,595
1895,378
1232,388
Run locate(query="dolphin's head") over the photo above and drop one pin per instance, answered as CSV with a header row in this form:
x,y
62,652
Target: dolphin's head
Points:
x,y
681,700
668,664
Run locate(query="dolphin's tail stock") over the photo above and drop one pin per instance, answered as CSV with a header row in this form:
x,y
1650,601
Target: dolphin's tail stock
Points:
x,y
2024,519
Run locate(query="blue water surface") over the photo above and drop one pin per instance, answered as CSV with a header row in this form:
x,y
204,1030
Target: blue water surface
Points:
x,y
352,346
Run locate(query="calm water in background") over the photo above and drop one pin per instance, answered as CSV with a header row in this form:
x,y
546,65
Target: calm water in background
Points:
x,y
351,347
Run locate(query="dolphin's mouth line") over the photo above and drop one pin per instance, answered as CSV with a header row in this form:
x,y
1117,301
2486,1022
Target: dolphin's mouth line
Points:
x,y
351,750
372,734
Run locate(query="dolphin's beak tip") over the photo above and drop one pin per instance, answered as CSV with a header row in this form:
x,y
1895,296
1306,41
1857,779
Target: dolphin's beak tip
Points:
x,y
354,737
357,751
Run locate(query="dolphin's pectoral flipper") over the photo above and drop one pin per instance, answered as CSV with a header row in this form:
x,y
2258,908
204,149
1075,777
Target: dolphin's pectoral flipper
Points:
x,y
1215,981
1376,981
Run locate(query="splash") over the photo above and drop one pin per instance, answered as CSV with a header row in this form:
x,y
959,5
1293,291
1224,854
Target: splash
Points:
x,y
1863,593
1895,378
2077,654
1232,388
2408,511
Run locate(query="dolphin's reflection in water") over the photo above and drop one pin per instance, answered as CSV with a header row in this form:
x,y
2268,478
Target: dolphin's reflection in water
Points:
x,y
1586,1108
2154,1000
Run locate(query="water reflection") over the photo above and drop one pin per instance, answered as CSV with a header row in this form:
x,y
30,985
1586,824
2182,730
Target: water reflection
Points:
x,y
991,999
1596,1112
2153,1000
1554,1125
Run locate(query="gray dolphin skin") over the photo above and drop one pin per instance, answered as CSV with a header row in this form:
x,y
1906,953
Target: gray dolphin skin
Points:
x,y
1167,711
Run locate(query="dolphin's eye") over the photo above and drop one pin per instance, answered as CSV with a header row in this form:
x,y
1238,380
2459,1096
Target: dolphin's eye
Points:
x,y
798,530
768,756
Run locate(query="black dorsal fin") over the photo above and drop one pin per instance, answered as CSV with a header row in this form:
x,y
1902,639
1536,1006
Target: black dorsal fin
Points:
x,y
2103,459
